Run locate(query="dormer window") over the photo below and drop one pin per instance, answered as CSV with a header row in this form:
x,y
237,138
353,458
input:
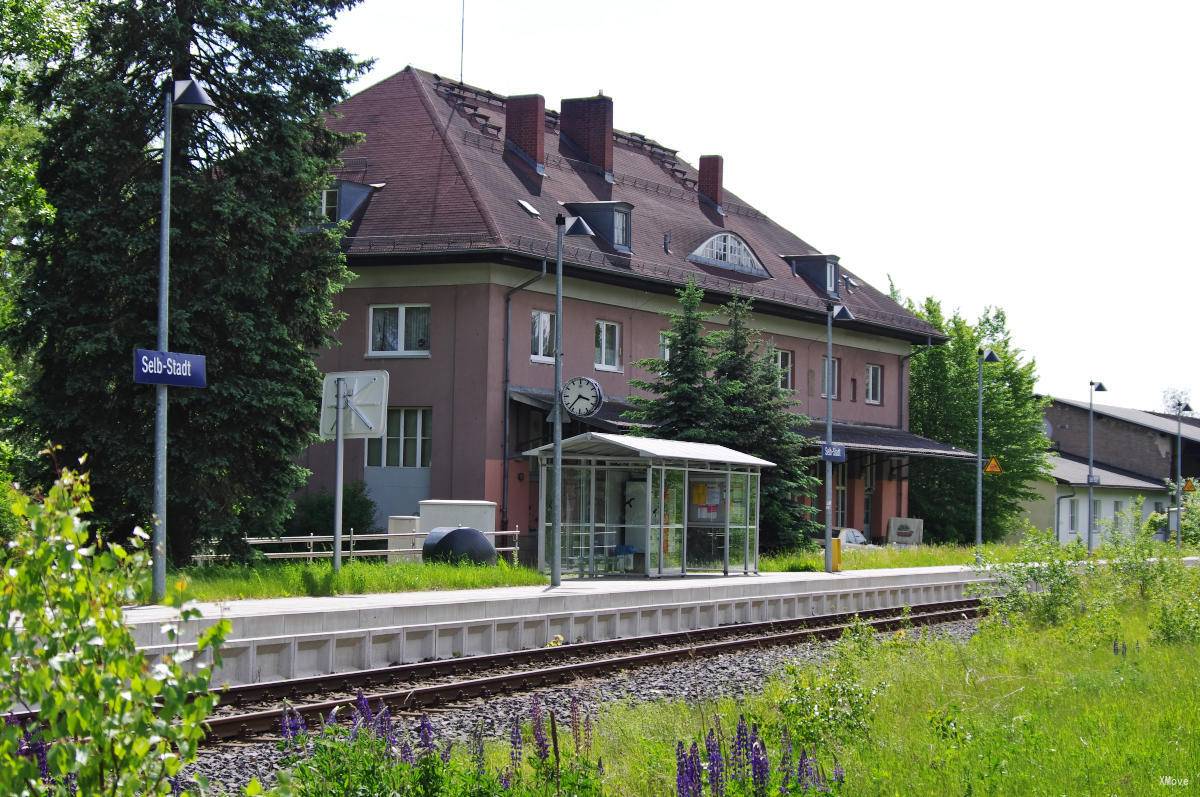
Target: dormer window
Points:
x,y
727,250
621,228
329,205
831,285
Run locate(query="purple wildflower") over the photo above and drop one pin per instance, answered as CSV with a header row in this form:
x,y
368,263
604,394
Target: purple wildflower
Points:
x,y
760,768
477,747
681,783
505,780
687,775
576,724
384,727
785,763
445,754
514,739
425,735
739,761
716,765
539,729
363,706
807,774
839,774
406,753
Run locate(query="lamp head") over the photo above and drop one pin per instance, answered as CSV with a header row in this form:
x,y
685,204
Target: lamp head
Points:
x,y
1185,407
191,96
988,356
1098,387
841,312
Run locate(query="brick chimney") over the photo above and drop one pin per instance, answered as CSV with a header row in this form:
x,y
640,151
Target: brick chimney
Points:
x,y
711,169
588,123
524,126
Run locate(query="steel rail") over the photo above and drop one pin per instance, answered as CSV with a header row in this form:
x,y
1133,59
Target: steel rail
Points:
x,y
425,697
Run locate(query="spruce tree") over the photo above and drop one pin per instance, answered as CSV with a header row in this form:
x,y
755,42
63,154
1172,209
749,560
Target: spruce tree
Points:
x,y
684,402
757,417
252,280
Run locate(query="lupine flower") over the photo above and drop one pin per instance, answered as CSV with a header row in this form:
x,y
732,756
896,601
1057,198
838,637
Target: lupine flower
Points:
x,y
505,780
541,744
406,753
760,768
839,774
687,775
445,754
681,784
785,763
807,774
695,771
477,747
739,760
716,765
587,731
576,725
425,735
363,707
384,727
514,739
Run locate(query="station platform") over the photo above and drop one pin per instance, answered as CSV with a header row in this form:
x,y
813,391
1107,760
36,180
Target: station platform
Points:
x,y
283,638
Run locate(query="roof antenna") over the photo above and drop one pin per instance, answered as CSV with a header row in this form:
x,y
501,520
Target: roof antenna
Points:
x,y
462,40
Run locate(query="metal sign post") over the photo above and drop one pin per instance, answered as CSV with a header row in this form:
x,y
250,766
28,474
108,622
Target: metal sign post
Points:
x,y
353,405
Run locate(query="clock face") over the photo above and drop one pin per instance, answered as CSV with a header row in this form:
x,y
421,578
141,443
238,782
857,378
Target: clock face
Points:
x,y
582,397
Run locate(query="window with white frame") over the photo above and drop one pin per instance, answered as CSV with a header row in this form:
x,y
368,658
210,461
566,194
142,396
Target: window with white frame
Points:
x,y
329,205
1160,507
784,360
541,336
1073,514
399,329
409,440
874,386
729,251
830,276
1118,508
608,346
837,375
1097,512
621,228
664,346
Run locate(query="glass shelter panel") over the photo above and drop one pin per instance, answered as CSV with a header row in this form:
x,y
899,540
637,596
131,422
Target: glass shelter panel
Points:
x,y
620,513
738,506
654,527
673,509
752,517
706,521
576,519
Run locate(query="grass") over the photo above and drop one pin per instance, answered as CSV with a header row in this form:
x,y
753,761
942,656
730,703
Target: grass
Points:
x,y
1028,712
316,579
886,557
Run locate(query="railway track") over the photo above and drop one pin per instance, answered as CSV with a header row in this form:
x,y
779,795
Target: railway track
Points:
x,y
256,709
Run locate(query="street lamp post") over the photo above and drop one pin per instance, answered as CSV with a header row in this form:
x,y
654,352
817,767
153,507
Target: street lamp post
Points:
x,y
564,226
987,356
841,313
186,95
1093,389
1181,407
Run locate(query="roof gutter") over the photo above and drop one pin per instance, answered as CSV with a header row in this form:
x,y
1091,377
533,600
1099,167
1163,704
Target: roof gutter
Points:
x,y
507,384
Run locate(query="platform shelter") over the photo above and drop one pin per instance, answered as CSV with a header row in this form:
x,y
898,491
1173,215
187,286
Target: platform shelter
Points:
x,y
649,507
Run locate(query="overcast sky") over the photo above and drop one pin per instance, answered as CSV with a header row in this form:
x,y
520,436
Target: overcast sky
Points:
x,y
1038,156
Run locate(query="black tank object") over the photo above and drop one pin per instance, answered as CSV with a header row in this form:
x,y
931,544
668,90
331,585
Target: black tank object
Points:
x,y
457,544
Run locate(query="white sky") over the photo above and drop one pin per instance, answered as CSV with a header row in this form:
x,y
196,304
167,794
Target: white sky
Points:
x,y
1039,156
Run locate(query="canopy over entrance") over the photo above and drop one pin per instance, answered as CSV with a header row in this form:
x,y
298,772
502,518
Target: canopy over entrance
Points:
x,y
651,507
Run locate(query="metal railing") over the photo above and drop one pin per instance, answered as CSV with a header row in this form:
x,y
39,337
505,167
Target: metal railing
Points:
x,y
310,542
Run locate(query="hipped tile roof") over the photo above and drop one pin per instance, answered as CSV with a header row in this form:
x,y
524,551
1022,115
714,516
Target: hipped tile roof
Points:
x,y
452,186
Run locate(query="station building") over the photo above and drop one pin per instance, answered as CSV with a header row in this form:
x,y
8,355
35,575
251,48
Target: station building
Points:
x,y
451,199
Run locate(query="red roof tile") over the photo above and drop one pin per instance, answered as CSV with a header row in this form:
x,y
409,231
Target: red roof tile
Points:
x,y
451,186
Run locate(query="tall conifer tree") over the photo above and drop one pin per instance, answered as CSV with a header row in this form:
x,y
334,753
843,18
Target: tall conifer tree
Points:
x,y
757,417
252,280
683,403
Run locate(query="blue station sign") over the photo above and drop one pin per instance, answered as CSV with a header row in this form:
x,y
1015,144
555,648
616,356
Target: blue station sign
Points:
x,y
833,452
172,368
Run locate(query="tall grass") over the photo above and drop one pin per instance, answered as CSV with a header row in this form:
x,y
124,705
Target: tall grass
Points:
x,y
887,557
316,579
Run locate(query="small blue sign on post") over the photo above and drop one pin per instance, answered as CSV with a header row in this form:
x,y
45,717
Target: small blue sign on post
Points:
x,y
172,368
833,452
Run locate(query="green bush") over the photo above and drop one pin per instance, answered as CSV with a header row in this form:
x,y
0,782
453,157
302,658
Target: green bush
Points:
x,y
314,511
1043,584
109,721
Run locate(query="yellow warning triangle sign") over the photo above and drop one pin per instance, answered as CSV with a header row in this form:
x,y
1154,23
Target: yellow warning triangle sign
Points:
x,y
993,466
1189,486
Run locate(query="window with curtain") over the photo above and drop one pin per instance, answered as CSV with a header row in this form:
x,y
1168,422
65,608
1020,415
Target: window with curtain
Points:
x,y
400,329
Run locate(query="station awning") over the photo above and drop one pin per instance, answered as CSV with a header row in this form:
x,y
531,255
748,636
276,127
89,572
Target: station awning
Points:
x,y
886,440
602,444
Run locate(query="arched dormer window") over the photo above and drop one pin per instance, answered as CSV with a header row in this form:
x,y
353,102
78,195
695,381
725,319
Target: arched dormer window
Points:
x,y
726,250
